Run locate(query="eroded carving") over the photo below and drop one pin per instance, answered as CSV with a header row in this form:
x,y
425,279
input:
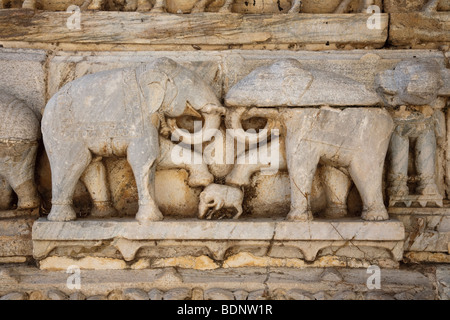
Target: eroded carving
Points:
x,y
94,116
19,136
354,138
414,87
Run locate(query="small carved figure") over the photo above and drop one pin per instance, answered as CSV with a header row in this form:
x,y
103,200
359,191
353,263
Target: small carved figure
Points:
x,y
215,197
117,113
19,136
414,85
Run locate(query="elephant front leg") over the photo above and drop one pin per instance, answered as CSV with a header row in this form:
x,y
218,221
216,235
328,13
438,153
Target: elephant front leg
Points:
x,y
302,167
398,169
426,163
337,187
141,157
95,180
68,161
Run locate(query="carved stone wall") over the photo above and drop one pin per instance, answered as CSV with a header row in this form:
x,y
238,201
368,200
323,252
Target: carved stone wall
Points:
x,y
343,106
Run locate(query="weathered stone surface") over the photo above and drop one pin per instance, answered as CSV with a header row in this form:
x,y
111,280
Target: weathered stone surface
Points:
x,y
15,237
135,294
170,30
354,229
291,241
427,229
62,263
218,294
24,76
155,294
414,5
287,83
420,30
259,283
189,262
420,257
443,280
14,296
56,295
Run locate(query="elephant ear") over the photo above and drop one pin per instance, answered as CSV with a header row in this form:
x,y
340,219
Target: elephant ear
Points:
x,y
153,85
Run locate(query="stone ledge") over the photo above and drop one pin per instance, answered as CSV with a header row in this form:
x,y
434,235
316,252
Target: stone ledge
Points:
x,y
15,237
345,229
239,284
193,30
127,240
419,30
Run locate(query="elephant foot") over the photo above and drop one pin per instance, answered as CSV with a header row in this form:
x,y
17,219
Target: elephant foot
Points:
x,y
380,214
299,215
62,213
27,200
28,203
103,210
148,213
429,189
398,191
198,180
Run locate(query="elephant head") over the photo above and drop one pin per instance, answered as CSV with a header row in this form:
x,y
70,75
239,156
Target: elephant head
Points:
x,y
172,89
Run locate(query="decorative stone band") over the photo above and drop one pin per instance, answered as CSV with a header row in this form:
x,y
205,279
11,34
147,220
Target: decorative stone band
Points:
x,y
217,239
354,229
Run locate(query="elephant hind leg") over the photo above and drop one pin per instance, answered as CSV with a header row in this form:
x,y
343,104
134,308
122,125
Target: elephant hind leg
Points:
x,y
67,163
20,176
367,176
302,168
142,155
6,194
95,180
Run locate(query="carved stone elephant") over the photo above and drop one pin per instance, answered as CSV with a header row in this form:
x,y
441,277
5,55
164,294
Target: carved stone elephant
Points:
x,y
19,135
119,113
355,139
218,196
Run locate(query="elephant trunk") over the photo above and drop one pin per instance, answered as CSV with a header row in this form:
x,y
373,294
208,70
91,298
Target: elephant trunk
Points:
x,y
235,116
213,118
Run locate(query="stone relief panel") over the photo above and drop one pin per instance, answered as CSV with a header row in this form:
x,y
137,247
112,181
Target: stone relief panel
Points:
x,y
333,193
324,140
75,128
